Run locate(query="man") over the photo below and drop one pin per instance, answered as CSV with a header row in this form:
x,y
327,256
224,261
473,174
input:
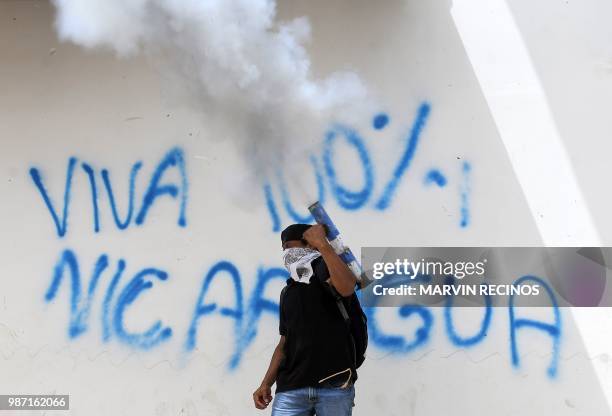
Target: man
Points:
x,y
313,364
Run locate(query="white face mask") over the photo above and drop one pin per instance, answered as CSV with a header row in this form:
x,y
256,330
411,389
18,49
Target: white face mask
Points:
x,y
297,261
295,254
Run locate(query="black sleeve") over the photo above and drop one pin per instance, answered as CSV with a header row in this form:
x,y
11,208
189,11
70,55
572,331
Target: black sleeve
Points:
x,y
282,326
320,269
322,273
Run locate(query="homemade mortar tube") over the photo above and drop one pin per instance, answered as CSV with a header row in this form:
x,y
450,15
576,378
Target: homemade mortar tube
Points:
x,y
333,236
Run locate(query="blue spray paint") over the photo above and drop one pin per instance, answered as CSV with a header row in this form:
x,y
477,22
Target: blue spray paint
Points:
x,y
62,225
94,195
348,199
404,163
295,216
465,194
554,330
111,197
380,121
434,176
257,306
355,199
287,203
174,158
272,208
203,309
451,332
246,324
79,311
106,324
155,334
397,343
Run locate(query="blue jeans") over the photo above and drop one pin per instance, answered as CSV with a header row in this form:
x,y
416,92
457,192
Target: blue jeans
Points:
x,y
313,400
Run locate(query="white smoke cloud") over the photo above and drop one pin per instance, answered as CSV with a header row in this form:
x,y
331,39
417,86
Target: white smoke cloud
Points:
x,y
246,70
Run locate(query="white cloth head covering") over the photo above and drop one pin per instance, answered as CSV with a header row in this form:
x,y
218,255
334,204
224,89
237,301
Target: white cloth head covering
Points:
x,y
298,262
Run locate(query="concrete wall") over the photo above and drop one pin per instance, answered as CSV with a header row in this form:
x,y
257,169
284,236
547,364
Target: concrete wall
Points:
x,y
71,118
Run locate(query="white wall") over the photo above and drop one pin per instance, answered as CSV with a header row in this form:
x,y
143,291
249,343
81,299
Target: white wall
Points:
x,y
58,101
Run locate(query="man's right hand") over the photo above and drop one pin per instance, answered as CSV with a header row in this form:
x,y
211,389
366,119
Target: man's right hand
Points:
x,y
315,236
262,396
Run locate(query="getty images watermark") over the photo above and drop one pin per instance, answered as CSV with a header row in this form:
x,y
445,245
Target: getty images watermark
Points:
x,y
496,276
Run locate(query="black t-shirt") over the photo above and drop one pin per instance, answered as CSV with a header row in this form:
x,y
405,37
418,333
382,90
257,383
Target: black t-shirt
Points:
x,y
317,339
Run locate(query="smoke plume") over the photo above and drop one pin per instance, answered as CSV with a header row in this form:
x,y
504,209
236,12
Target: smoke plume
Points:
x,y
245,70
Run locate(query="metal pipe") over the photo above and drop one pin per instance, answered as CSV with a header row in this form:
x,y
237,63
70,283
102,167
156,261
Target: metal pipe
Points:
x,y
333,236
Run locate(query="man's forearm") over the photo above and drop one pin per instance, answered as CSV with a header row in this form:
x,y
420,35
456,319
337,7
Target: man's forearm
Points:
x,y
341,276
275,361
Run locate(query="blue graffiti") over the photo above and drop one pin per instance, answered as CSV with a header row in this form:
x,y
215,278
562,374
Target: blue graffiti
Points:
x,y
465,193
286,199
434,176
94,195
245,333
202,309
62,225
80,309
404,163
106,305
397,343
257,306
276,223
554,330
246,312
354,199
111,197
246,318
380,121
348,199
155,334
78,312
451,332
173,159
